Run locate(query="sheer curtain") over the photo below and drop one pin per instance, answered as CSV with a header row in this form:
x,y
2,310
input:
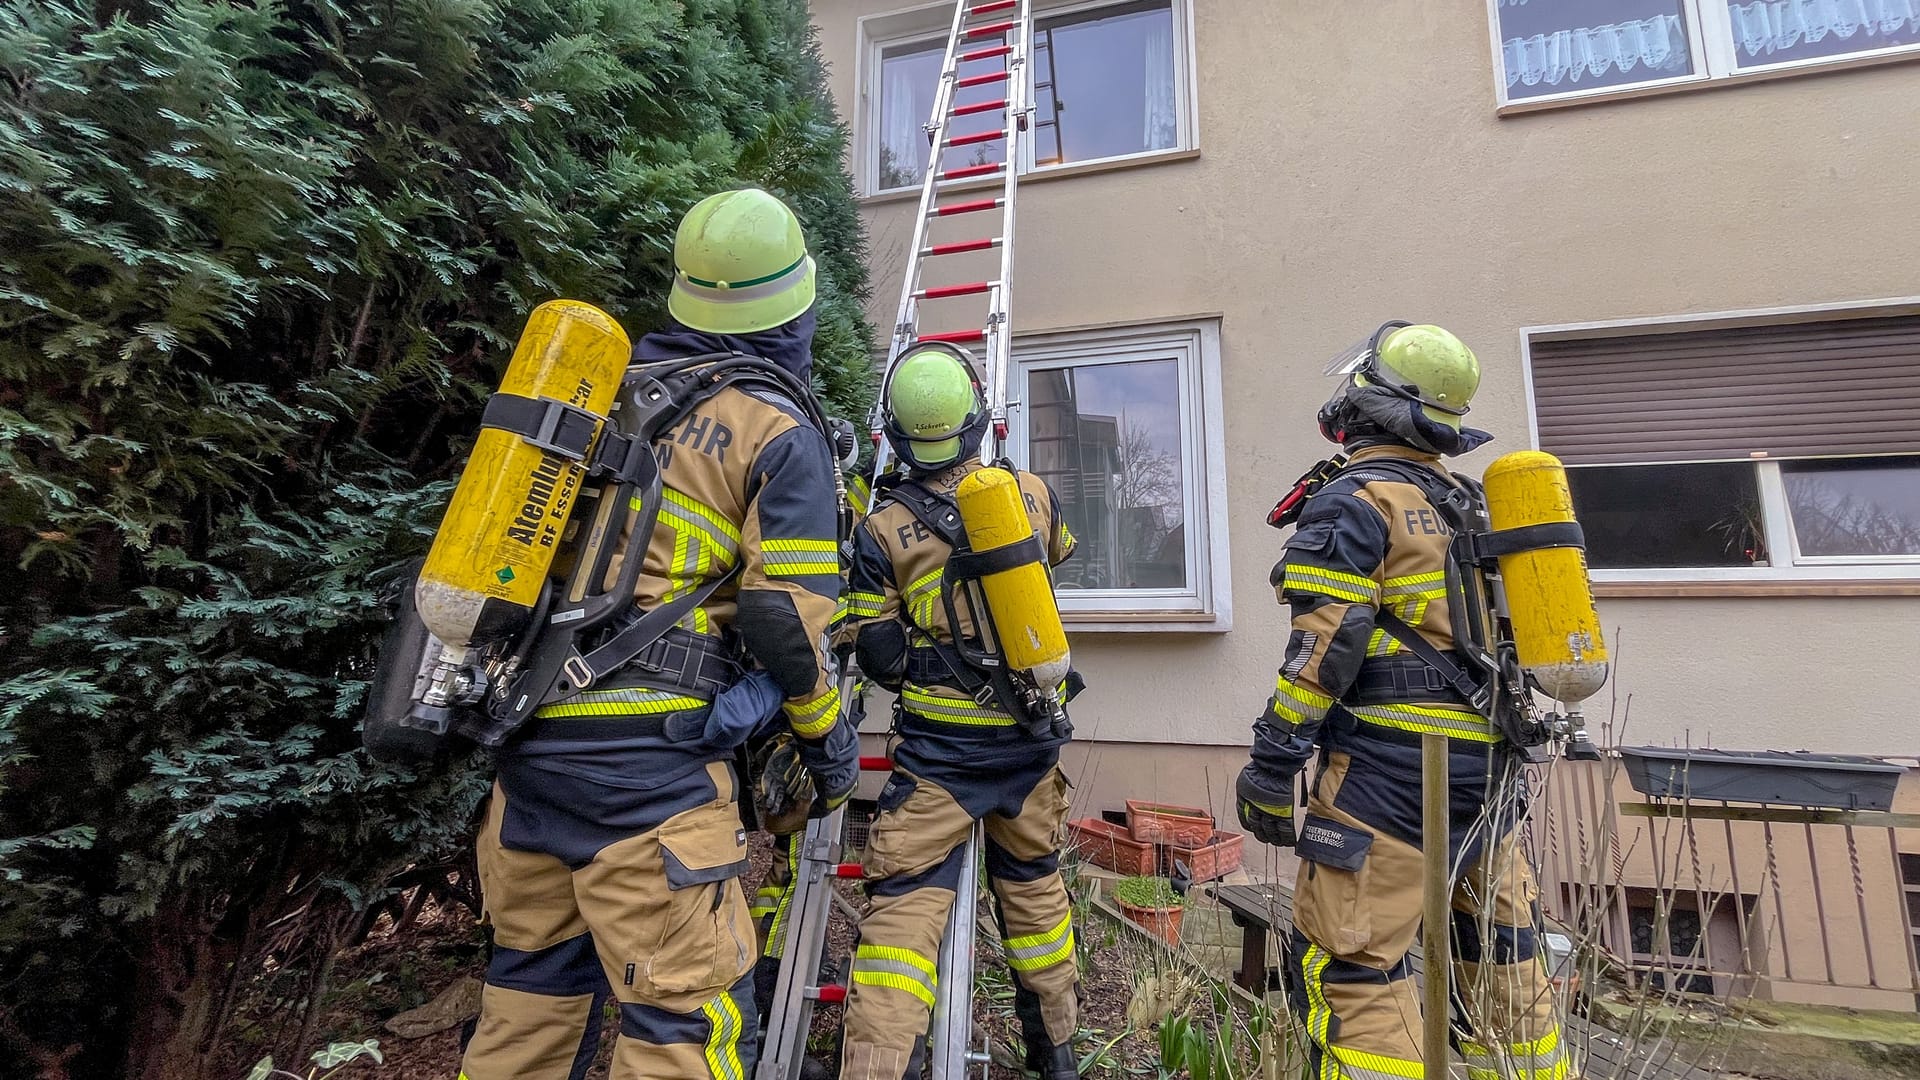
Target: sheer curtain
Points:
x,y
1767,26
1161,129
901,136
1658,44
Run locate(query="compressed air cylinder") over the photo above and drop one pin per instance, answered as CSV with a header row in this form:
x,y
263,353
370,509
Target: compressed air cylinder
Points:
x,y
1025,617
501,530
1556,630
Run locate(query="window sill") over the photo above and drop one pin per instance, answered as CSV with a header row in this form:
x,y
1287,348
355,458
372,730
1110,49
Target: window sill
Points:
x,y
1145,622
1604,97
1807,587
1058,172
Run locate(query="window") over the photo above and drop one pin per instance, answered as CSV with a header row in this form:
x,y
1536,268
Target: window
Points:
x,y
1108,81
1125,426
1571,48
1740,452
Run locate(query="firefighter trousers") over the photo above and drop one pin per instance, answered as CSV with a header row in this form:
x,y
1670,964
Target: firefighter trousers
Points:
x,y
772,910
1357,911
913,864
655,919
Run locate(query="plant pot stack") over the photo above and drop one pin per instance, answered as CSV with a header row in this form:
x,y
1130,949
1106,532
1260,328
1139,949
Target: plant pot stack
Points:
x,y
1155,836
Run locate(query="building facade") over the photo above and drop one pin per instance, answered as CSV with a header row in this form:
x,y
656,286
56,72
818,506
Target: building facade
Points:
x,y
1680,234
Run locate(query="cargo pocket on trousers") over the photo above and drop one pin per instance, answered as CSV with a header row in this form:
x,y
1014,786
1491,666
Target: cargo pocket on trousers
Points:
x,y
705,941
882,858
1332,907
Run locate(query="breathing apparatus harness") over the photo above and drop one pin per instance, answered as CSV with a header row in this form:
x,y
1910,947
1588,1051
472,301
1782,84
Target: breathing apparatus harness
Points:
x,y
1492,683
974,664
581,633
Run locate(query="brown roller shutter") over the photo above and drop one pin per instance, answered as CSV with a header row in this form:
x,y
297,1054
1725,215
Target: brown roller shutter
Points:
x,y
1847,386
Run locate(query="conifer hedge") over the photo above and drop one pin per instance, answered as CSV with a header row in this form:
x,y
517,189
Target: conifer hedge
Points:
x,y
260,263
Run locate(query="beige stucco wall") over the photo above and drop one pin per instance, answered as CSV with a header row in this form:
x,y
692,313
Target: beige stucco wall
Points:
x,y
1352,169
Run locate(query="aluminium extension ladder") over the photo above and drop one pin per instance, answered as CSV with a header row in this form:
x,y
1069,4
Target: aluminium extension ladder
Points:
x,y
982,31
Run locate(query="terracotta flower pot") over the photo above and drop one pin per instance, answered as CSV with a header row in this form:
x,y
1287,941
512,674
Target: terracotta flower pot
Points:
x,y
1161,922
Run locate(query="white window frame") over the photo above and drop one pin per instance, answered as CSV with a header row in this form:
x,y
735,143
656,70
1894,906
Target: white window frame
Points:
x,y
1785,562
1710,43
1207,604
928,25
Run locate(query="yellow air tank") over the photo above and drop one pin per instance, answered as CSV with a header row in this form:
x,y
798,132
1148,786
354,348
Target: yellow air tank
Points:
x,y
1026,619
497,541
1549,597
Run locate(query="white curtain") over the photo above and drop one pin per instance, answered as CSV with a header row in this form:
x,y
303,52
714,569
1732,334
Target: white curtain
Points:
x,y
1161,130
902,115
1658,45
1767,26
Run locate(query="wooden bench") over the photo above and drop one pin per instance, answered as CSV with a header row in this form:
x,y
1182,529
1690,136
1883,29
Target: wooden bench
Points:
x,y
1257,910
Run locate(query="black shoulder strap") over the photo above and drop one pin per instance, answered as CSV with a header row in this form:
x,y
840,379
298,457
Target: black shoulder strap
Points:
x,y
937,512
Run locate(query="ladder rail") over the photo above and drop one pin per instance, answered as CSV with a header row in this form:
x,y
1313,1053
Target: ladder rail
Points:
x,y
951,1031
791,1018
1000,317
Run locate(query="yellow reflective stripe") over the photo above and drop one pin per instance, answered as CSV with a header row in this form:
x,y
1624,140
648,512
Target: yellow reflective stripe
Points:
x,y
815,718
777,932
698,514
1383,643
1310,580
620,703
1297,703
840,608
799,544
1545,1044
1274,811
723,1038
952,710
1035,951
1319,1013
1456,723
1336,577
1432,586
1361,1065
922,596
865,605
895,981
898,969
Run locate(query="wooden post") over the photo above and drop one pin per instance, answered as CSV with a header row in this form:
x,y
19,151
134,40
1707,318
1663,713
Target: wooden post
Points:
x,y
1437,918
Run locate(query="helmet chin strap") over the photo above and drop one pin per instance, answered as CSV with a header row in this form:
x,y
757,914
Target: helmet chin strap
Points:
x,y
1371,409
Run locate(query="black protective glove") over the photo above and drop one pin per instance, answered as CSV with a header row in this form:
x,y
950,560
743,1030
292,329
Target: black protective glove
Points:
x,y
1265,803
834,763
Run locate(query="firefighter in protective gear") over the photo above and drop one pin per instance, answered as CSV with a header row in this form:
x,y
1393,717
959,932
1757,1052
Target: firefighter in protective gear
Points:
x,y
959,758
1367,566
612,848
783,791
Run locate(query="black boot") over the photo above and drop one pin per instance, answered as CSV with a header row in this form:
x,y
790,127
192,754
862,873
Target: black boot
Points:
x,y
917,1063
1056,1062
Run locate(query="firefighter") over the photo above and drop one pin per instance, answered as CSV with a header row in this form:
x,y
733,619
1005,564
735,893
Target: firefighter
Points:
x,y
961,756
1366,567
610,856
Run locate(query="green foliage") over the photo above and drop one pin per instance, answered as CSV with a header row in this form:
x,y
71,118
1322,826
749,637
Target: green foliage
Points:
x,y
1146,892
260,263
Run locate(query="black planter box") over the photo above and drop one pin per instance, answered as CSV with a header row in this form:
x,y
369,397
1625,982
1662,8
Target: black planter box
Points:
x,y
1833,781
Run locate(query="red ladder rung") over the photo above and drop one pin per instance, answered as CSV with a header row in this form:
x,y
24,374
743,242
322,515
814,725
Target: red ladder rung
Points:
x,y
987,53
979,107
959,246
830,994
974,207
956,337
968,171
990,29
847,870
982,80
976,137
876,764
992,6
942,292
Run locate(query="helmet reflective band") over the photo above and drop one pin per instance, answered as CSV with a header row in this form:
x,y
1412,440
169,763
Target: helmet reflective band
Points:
x,y
1428,364
931,402
740,265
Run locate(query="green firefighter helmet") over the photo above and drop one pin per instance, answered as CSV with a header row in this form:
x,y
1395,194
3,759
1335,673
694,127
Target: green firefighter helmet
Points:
x,y
1422,363
740,265
931,408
